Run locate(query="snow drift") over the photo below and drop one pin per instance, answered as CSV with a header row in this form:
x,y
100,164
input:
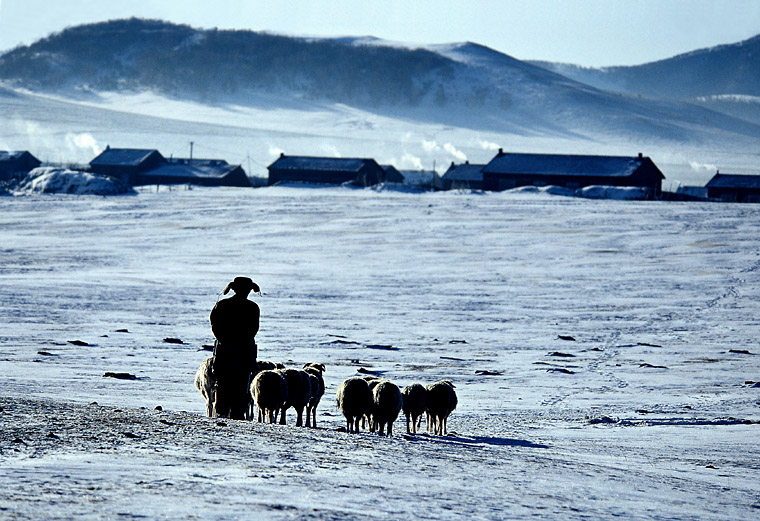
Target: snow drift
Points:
x,y
53,180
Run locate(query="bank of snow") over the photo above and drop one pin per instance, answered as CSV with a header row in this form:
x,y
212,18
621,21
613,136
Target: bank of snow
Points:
x,y
52,180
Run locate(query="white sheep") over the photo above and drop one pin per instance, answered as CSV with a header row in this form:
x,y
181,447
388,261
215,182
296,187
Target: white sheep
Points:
x,y
440,401
386,398
205,383
413,406
317,391
299,392
354,400
269,391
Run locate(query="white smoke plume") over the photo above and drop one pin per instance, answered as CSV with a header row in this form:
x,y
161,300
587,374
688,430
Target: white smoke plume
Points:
x,y
488,145
410,162
699,167
275,151
83,143
457,154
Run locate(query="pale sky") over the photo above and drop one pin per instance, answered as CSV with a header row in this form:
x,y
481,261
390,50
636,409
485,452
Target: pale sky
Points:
x,y
591,32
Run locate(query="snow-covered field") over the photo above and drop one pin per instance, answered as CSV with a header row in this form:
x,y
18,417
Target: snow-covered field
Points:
x,y
647,410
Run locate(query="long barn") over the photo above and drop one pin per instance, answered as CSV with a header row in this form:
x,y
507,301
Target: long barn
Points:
x,y
507,170
325,170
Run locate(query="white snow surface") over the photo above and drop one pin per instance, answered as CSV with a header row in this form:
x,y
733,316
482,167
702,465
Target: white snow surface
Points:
x,y
604,353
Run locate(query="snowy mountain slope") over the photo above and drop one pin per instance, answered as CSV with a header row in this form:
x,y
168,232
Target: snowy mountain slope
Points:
x,y
464,85
725,78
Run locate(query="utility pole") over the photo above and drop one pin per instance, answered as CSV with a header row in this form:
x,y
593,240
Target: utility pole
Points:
x,y
191,151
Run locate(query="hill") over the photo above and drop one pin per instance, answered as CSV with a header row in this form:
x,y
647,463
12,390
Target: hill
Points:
x,y
465,85
724,78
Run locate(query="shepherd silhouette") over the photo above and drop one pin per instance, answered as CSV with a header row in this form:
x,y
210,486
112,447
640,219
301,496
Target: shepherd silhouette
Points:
x,y
234,322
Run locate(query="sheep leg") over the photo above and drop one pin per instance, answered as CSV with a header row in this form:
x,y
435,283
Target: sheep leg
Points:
x,y
308,416
390,428
356,424
314,417
282,416
299,417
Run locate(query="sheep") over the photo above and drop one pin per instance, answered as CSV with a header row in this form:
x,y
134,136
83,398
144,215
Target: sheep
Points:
x,y
413,405
266,365
354,400
367,419
440,401
386,406
205,383
299,392
269,390
317,391
261,365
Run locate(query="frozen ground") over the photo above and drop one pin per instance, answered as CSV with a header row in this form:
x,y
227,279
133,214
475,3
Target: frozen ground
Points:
x,y
649,412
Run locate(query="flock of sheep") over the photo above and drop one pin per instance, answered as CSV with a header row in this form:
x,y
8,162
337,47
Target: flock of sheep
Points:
x,y
374,402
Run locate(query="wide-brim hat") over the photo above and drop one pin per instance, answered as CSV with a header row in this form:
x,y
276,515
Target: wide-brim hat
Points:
x,y
242,285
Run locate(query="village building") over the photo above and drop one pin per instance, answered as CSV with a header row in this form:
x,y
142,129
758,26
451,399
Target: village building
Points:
x,y
422,179
325,170
463,176
507,170
137,167
15,164
392,175
734,188
201,172
125,164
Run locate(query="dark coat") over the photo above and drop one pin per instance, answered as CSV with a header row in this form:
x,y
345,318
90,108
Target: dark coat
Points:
x,y
235,322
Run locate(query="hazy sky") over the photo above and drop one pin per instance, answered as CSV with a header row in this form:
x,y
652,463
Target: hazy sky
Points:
x,y
592,32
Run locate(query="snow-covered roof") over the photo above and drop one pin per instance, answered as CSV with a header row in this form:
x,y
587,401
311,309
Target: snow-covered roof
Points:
x,y
560,164
123,156
328,164
11,155
734,181
194,170
464,172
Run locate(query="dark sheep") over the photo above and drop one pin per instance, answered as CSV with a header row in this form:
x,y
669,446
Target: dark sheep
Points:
x,y
317,391
413,406
354,400
386,399
440,401
269,391
299,392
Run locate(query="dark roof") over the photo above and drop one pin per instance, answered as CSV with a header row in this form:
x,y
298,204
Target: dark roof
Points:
x,y
327,164
123,156
560,164
190,171
464,172
12,155
734,181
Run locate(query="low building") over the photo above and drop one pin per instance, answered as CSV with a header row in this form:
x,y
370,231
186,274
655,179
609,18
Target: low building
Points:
x,y
125,164
506,171
463,176
201,172
392,175
422,179
325,170
734,187
16,164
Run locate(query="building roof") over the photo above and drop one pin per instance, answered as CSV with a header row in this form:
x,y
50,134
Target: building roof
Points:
x,y
464,172
734,181
123,156
12,155
560,164
186,171
326,164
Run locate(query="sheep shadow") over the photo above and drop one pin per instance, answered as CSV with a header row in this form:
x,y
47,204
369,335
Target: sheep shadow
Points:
x,y
456,439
